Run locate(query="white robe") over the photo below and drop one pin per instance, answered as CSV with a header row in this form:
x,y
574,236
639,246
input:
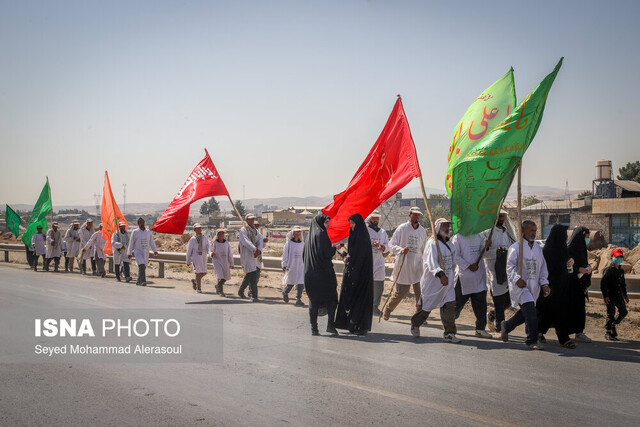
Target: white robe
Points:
x,y
434,295
469,248
198,256
120,244
500,238
96,243
141,242
72,237
247,248
534,270
37,243
54,251
405,235
85,236
222,258
292,260
378,256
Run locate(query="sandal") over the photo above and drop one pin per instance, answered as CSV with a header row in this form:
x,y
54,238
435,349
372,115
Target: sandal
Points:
x,y
542,339
569,344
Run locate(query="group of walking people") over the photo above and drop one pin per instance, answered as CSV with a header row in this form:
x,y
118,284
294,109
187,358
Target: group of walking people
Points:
x,y
87,243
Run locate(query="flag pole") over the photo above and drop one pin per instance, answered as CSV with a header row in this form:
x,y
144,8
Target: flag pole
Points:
x,y
50,199
424,193
520,218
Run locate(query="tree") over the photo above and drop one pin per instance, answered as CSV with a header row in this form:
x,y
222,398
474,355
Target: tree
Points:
x,y
214,206
630,172
530,200
584,194
241,209
205,209
438,197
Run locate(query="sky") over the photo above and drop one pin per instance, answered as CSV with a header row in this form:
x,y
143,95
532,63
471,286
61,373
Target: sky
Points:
x,y
289,96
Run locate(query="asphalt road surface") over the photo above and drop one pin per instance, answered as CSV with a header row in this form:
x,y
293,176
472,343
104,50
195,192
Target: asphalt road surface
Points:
x,y
274,372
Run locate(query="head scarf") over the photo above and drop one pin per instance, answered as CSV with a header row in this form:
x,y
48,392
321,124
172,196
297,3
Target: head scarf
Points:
x,y
578,247
85,225
555,250
319,275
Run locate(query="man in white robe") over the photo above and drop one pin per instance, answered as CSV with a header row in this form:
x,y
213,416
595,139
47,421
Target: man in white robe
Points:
x,y
72,237
222,259
500,242
437,283
525,289
141,242
86,231
471,279
293,267
250,245
39,248
120,244
197,253
96,243
379,245
408,243
54,247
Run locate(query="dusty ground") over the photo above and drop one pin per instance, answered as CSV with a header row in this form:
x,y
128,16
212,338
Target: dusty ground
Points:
x,y
178,276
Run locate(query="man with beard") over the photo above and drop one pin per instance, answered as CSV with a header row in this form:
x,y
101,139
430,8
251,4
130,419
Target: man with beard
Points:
x,y
86,231
524,287
39,249
54,247
250,245
197,253
407,242
96,244
72,237
379,244
141,242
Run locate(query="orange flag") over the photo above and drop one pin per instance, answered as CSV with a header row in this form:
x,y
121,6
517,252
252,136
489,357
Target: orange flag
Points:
x,y
110,214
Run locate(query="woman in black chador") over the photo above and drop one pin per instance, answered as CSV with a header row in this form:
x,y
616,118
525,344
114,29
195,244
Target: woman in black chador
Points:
x,y
355,308
552,310
319,275
579,281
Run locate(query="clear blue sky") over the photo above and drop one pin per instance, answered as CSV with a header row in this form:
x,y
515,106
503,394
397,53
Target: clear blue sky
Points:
x,y
289,96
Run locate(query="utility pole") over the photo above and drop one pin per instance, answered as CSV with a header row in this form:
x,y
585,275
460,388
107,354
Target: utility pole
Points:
x,y
97,197
124,198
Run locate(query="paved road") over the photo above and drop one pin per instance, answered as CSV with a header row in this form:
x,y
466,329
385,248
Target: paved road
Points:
x,y
274,372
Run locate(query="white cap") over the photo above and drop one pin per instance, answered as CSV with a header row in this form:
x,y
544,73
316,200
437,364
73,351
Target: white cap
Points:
x,y
249,216
374,214
196,225
415,209
121,223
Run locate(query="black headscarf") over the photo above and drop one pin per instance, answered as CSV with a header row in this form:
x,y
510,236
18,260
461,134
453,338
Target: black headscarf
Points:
x,y
555,250
319,276
355,309
578,248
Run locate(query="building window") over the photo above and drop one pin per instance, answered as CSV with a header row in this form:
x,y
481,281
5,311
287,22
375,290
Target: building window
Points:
x,y
625,230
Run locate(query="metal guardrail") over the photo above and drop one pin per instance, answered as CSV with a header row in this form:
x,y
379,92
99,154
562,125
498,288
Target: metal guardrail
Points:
x,y
274,264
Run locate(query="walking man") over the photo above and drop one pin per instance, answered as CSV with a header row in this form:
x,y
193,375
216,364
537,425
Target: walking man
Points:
x,y
379,244
197,253
72,237
54,247
120,243
39,249
141,242
250,245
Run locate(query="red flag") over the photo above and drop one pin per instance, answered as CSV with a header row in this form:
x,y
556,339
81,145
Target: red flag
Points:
x,y
204,181
110,214
389,166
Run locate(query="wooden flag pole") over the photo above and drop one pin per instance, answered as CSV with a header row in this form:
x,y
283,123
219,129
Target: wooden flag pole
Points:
x,y
521,243
238,213
433,228
392,287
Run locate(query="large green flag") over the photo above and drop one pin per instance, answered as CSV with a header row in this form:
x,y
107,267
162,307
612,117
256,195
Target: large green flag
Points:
x,y
481,179
13,221
39,214
487,111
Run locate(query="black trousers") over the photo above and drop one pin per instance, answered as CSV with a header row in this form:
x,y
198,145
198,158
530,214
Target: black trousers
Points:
x,y
35,259
612,320
500,304
125,270
529,316
314,306
56,263
94,269
478,303
142,273
251,280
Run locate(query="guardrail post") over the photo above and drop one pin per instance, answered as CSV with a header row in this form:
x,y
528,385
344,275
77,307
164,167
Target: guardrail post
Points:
x,y
6,256
161,270
110,265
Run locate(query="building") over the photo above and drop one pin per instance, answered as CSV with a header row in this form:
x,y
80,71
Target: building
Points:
x,y
283,218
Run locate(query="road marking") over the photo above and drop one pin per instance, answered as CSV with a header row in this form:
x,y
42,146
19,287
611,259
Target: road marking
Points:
x,y
435,406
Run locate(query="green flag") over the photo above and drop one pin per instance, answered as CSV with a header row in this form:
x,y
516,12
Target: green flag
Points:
x,y
13,221
487,111
481,179
39,214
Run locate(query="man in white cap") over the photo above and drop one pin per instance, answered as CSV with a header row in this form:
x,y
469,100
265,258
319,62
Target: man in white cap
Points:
x,y
437,283
120,243
72,237
407,242
293,266
250,245
96,244
495,263
141,242
54,247
471,279
39,249
86,231
379,244
197,253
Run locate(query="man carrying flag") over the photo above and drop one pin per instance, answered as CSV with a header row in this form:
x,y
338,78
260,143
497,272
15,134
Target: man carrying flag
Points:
x,y
120,243
141,242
